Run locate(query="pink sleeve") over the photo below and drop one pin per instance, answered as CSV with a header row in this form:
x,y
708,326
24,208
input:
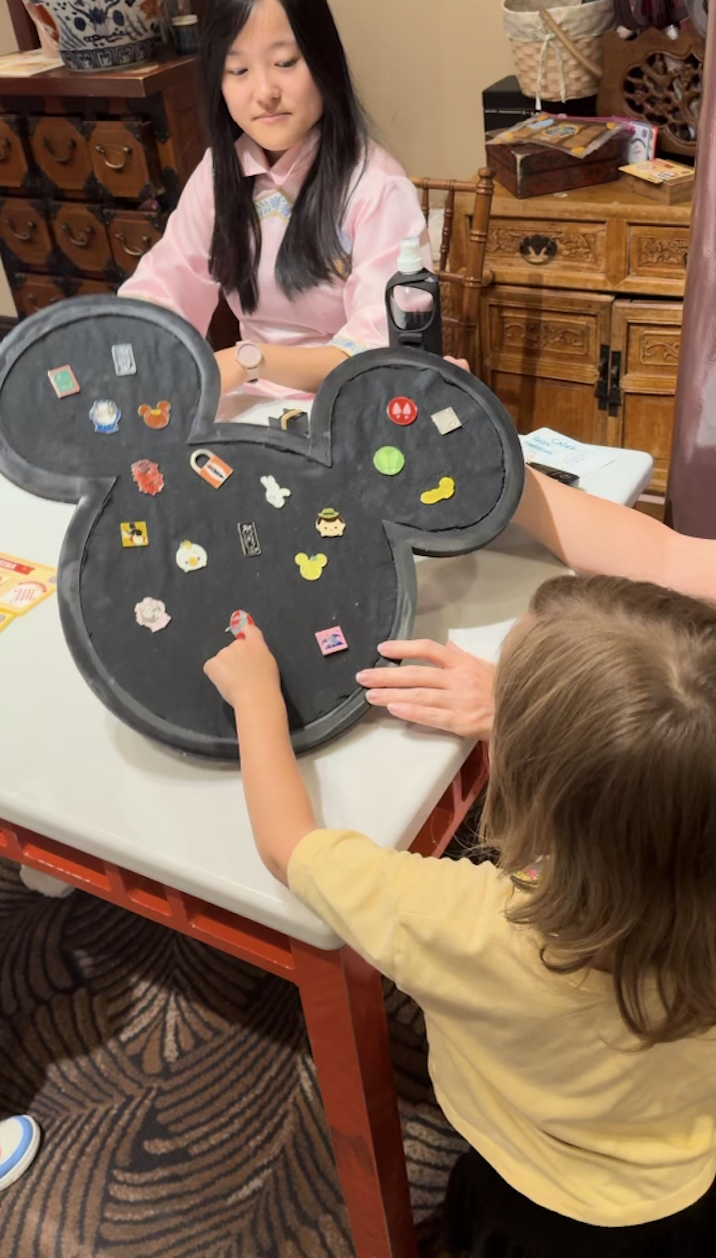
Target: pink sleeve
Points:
x,y
378,221
175,272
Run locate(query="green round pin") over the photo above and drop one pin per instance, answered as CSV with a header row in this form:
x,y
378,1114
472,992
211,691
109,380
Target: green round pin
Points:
x,y
389,460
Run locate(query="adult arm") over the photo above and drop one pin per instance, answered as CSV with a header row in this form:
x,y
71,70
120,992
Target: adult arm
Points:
x,y
592,535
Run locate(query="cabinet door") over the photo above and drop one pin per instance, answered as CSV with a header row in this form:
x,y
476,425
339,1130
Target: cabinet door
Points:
x,y
542,356
647,335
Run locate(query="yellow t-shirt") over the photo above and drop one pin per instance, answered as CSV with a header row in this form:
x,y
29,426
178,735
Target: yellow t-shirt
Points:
x,y
530,1067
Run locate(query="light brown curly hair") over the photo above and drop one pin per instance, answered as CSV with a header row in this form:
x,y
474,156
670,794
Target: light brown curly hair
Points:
x,y
603,761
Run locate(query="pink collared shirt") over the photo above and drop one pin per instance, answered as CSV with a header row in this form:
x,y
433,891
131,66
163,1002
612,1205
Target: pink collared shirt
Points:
x,y
382,209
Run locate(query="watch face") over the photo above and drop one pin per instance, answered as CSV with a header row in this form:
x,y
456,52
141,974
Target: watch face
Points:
x,y
249,355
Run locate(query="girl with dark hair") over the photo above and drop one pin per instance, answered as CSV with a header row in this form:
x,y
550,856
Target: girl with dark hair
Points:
x,y
569,989
293,214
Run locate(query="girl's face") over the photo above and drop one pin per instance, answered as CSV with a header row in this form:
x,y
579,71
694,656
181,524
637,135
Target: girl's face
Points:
x,y
267,85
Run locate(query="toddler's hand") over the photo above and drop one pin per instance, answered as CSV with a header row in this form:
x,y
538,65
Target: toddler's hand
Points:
x,y
245,671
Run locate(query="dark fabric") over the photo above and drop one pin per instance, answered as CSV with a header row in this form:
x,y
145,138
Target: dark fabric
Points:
x,y
486,1218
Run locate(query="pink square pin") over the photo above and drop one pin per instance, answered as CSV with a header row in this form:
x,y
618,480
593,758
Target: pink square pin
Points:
x,y
331,640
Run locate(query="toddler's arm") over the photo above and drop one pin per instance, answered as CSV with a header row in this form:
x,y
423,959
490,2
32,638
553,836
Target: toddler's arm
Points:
x,y
247,677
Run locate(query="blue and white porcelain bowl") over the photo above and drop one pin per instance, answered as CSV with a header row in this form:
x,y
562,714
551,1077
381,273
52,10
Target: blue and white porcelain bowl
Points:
x,y
101,34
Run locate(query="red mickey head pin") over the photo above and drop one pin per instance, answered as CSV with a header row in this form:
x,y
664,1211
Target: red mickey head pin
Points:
x,y
156,416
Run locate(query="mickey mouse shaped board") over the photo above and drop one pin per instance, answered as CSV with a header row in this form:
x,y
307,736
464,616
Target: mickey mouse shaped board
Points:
x,y
187,529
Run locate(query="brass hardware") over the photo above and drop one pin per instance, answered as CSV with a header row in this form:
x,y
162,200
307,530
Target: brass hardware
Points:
x,y
61,161
80,241
134,253
126,149
24,236
538,250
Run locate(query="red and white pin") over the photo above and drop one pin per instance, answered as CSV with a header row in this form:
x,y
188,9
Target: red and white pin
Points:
x,y
239,621
403,411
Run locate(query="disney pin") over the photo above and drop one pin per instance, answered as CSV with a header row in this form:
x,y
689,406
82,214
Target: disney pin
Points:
x,y
331,640
239,621
134,534
63,380
389,460
156,416
105,415
215,471
148,476
444,490
190,556
151,614
446,421
276,495
403,411
330,523
310,566
123,359
249,539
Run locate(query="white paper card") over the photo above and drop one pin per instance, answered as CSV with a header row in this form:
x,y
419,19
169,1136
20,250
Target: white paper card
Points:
x,y
558,451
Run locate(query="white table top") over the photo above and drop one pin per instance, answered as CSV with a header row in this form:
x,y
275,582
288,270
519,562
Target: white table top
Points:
x,y
72,772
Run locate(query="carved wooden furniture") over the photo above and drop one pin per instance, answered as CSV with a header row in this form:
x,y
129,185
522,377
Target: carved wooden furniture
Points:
x,y
460,287
90,165
581,331
658,80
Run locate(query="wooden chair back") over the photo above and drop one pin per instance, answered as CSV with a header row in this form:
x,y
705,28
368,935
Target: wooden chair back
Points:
x,y
461,266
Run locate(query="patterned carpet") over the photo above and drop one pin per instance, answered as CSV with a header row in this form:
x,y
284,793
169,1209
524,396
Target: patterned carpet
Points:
x,y
177,1096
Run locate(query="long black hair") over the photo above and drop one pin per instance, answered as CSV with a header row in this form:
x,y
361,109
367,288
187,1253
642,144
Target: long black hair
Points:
x,y
311,251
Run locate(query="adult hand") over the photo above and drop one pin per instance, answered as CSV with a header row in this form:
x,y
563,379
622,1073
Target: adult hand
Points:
x,y
233,375
245,673
452,690
459,362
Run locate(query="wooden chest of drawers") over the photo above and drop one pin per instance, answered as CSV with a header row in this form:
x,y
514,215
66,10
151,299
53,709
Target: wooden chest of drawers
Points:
x,y
581,329
90,166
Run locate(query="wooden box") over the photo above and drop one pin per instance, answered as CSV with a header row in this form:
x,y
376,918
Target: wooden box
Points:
x,y
532,170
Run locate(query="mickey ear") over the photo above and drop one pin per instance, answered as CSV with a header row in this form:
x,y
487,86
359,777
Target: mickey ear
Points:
x,y
428,446
69,376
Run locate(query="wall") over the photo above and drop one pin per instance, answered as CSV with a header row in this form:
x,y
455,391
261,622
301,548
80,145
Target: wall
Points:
x,y
421,66
8,43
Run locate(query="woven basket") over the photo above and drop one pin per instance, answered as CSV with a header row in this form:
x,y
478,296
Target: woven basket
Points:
x,y
557,50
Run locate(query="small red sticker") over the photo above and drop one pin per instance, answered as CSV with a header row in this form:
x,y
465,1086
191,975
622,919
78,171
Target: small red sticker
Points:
x,y
403,411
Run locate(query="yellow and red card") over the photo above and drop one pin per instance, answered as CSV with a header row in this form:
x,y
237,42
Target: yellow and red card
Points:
x,y
23,585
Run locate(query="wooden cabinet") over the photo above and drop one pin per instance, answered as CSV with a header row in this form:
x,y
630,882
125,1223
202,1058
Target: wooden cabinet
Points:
x,y
90,167
581,329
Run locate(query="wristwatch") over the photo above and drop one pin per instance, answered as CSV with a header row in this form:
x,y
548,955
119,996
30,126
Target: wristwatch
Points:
x,y
249,356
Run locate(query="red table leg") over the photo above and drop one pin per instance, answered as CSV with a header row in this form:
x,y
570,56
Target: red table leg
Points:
x,y
343,1004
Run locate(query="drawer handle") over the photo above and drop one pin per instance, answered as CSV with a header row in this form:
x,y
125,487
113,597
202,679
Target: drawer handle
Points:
x,y
126,149
538,250
4,146
80,241
134,253
61,161
24,236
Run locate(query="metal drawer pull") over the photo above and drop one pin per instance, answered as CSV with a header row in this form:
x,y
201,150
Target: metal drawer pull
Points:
x,y
126,149
61,161
80,241
4,146
134,253
31,227
32,301
538,250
